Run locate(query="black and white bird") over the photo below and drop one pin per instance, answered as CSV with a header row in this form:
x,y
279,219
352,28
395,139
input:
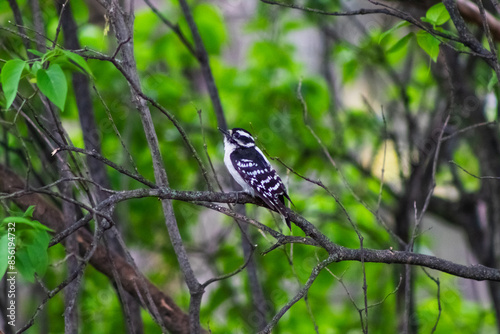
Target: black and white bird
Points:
x,y
253,172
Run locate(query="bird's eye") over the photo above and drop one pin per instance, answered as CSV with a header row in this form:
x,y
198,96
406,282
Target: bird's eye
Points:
x,y
236,135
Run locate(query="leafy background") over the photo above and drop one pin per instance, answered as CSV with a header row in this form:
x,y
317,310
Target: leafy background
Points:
x,y
259,57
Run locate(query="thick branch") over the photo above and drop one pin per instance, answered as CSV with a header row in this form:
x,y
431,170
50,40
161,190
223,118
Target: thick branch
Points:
x,y
470,12
476,272
123,28
466,36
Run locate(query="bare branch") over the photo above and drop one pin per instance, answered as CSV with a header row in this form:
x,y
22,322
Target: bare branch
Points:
x,y
175,27
475,176
438,297
456,133
300,294
470,12
433,175
202,56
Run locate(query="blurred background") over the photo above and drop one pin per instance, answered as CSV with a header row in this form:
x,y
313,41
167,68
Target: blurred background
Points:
x,y
357,102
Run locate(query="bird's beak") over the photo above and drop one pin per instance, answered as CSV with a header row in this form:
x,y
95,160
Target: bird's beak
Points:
x,y
224,132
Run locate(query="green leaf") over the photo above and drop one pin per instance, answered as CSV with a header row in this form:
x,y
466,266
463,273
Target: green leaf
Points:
x,y
349,70
11,73
24,265
79,61
3,254
35,52
29,211
52,83
23,220
385,34
32,242
429,44
492,82
34,69
400,44
50,55
437,14
38,252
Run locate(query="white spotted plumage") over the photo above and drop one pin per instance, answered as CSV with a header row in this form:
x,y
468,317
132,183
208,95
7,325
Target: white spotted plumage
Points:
x,y
252,171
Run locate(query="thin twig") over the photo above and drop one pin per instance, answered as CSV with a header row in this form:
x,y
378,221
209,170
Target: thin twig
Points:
x,y
438,296
344,180
475,176
205,147
137,90
389,294
489,38
299,295
434,168
390,11
118,48
175,27
306,299
456,133
115,129
153,309
59,23
77,273
108,162
203,58
231,274
383,165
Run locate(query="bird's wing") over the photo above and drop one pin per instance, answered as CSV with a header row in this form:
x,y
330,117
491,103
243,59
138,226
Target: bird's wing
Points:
x,y
256,170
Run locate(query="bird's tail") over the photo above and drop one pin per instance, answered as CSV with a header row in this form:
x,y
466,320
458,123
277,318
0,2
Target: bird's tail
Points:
x,y
278,206
281,207
287,221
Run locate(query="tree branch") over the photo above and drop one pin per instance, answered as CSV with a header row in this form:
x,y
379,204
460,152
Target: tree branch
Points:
x,y
175,320
123,28
202,56
475,272
471,13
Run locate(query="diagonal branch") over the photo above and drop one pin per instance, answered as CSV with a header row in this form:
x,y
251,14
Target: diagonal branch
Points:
x,y
202,56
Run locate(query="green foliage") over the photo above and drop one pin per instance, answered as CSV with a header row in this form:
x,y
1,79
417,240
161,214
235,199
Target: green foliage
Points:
x,y
392,43
437,15
400,44
385,35
48,72
74,59
100,306
259,93
492,82
429,44
346,57
10,76
52,82
30,239
211,26
4,261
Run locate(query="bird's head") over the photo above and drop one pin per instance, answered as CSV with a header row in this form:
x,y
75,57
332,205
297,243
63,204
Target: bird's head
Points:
x,y
238,137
